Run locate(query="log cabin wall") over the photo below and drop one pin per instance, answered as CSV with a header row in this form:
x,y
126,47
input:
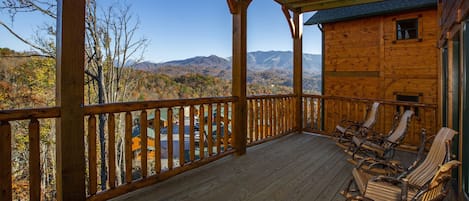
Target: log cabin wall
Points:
x,y
364,59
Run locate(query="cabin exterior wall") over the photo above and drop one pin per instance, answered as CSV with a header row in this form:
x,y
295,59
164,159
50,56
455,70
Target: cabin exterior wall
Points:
x,y
364,59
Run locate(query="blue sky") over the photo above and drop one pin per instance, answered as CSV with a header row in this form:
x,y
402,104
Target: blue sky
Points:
x,y
180,29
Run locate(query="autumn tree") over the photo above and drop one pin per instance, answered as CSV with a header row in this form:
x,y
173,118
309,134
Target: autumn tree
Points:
x,y
111,47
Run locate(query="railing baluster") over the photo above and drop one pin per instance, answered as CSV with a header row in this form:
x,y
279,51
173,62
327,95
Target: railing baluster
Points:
x,y
266,118
262,119
286,107
181,137
218,122
5,165
225,127
144,142
305,112
112,149
128,147
291,113
319,114
157,124
271,117
348,110
256,119
201,132
312,113
210,129
291,108
34,161
191,133
275,110
169,138
282,115
251,121
92,155
290,116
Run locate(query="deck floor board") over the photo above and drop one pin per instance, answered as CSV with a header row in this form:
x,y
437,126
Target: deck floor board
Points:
x,y
294,167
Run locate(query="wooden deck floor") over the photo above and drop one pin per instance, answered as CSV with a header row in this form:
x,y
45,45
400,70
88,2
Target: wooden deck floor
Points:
x,y
294,167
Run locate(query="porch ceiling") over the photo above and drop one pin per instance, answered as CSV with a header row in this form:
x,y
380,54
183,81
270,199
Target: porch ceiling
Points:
x,y
312,5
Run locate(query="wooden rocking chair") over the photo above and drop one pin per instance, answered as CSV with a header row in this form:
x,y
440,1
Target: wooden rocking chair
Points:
x,y
392,167
379,147
426,181
347,129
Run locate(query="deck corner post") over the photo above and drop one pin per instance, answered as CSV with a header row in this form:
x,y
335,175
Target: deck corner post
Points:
x,y
70,98
238,10
298,68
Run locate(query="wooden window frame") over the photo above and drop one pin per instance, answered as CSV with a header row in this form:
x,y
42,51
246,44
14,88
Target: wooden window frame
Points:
x,y
419,29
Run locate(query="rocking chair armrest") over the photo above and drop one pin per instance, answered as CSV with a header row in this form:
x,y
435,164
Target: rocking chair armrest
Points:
x,y
372,147
369,160
388,179
349,124
373,162
378,139
345,121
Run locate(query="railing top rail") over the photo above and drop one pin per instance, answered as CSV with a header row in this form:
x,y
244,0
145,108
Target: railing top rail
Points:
x,y
54,112
30,113
270,96
142,105
389,102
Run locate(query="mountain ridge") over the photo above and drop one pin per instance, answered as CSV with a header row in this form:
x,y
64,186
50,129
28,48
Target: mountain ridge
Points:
x,y
256,61
265,68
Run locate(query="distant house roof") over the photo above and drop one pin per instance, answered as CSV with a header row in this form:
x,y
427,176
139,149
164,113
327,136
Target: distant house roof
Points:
x,y
368,10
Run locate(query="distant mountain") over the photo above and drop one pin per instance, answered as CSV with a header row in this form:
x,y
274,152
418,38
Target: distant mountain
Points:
x,y
269,68
209,66
261,60
256,61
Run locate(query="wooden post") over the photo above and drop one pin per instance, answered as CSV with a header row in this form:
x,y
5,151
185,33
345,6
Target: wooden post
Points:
x,y
298,67
238,9
70,99
5,165
296,27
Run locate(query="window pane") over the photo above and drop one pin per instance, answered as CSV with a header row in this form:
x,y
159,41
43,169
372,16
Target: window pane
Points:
x,y
407,29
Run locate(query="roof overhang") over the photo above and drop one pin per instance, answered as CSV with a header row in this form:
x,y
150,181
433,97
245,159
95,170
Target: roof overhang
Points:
x,y
302,6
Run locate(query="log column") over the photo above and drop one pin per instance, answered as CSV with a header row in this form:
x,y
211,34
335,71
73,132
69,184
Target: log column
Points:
x,y
298,67
238,9
295,23
70,98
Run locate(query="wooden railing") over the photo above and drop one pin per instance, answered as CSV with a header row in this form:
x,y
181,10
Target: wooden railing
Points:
x,y
270,116
178,136
16,124
142,147
321,114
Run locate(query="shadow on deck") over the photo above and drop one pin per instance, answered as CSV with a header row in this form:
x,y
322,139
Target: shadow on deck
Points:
x,y
294,167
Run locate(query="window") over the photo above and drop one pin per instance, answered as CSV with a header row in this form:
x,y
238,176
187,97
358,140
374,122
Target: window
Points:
x,y
407,29
408,98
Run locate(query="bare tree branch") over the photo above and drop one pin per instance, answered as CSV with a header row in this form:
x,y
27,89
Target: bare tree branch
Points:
x,y
43,50
26,6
